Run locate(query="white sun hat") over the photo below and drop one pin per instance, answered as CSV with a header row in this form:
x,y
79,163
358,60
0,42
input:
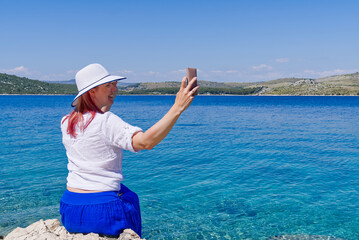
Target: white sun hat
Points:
x,y
92,76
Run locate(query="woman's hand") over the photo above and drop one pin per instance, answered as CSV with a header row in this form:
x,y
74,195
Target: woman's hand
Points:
x,y
154,135
185,95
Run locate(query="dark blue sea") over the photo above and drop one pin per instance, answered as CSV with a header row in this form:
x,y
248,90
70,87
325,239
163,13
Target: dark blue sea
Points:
x,y
233,167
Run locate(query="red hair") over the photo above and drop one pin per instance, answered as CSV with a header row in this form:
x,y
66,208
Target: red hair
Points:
x,y
84,105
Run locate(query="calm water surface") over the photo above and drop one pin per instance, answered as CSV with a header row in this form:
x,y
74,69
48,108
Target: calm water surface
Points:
x,y
232,167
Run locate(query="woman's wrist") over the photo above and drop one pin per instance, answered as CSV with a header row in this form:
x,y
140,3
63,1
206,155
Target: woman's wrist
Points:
x,y
176,110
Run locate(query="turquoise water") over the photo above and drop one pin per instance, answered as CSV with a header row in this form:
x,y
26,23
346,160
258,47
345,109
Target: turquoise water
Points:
x,y
231,168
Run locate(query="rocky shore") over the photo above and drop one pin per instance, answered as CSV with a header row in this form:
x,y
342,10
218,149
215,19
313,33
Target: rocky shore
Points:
x,y
52,230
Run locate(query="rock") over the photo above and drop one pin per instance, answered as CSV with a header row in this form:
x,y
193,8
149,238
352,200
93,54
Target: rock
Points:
x,y
37,228
129,234
91,236
17,233
52,224
51,229
305,81
43,236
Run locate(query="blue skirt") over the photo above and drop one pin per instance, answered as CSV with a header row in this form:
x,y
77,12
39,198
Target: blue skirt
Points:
x,y
107,213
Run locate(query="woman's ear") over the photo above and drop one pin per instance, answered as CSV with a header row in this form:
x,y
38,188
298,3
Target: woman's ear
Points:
x,y
92,92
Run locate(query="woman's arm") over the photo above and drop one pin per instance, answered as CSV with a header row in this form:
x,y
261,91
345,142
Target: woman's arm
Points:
x,y
154,135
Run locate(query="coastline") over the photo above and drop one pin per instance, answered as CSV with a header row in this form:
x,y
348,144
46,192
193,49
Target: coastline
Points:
x,y
200,95
52,229
337,85
10,94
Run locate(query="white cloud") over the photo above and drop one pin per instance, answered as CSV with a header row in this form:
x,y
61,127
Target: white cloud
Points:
x,y
282,60
232,71
225,71
262,67
326,73
152,75
73,72
126,72
22,71
261,72
177,75
180,71
17,70
216,71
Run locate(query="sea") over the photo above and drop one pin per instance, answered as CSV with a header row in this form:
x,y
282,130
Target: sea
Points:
x,y
233,167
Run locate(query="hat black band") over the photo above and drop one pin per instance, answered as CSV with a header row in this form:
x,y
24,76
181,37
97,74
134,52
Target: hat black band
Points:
x,y
95,82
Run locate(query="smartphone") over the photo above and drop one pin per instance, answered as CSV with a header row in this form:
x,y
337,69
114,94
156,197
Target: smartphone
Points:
x,y
191,73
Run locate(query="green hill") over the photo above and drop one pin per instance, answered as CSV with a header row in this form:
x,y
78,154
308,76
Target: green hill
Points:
x,y
11,84
347,84
207,88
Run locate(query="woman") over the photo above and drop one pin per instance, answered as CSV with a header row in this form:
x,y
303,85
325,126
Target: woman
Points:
x,y
94,138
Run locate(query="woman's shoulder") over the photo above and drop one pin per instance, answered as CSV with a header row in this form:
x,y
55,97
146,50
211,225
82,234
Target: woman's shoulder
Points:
x,y
108,117
64,118
64,123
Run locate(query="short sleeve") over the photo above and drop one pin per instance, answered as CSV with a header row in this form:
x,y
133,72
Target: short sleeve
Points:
x,y
118,132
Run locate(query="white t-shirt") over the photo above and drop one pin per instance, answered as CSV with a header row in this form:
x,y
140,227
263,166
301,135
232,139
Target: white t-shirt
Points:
x,y
95,155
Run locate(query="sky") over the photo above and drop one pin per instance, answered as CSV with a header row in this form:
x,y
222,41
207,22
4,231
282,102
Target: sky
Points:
x,y
154,41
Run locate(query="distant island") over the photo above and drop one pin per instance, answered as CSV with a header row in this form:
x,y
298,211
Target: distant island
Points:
x,y
344,85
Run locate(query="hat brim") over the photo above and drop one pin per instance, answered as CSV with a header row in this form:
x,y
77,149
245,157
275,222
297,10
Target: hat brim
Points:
x,y
109,78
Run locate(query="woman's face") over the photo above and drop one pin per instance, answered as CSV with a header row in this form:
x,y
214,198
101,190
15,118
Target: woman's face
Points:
x,y
104,95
